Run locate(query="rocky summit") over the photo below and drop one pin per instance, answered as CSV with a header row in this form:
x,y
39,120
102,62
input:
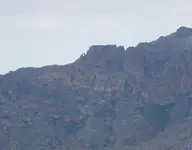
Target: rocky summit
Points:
x,y
110,98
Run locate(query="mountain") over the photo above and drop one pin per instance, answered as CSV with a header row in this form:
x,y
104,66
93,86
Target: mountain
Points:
x,y
110,98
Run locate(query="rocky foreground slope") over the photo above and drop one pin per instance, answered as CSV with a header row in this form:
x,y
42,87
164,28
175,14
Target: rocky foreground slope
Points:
x,y
111,98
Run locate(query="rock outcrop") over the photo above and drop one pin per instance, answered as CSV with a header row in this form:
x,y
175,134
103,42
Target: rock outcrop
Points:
x,y
111,98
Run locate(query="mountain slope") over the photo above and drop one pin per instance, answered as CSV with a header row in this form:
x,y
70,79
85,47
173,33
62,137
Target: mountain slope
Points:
x,y
108,99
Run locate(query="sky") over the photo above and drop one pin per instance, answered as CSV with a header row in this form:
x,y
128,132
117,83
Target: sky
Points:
x,y
35,33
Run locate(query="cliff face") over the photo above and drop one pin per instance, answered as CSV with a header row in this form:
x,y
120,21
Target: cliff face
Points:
x,y
110,98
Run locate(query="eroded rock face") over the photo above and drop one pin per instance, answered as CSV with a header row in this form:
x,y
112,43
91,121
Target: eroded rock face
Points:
x,y
109,99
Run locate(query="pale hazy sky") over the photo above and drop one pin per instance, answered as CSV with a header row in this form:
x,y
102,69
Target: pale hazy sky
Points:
x,y
45,32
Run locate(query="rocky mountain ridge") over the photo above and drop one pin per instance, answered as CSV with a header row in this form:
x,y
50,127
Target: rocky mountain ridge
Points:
x,y
110,98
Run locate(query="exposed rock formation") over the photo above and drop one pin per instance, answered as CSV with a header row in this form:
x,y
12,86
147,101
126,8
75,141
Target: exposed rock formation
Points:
x,y
108,99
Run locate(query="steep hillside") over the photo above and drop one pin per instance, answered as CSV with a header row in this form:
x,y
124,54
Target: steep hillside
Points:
x,y
111,98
